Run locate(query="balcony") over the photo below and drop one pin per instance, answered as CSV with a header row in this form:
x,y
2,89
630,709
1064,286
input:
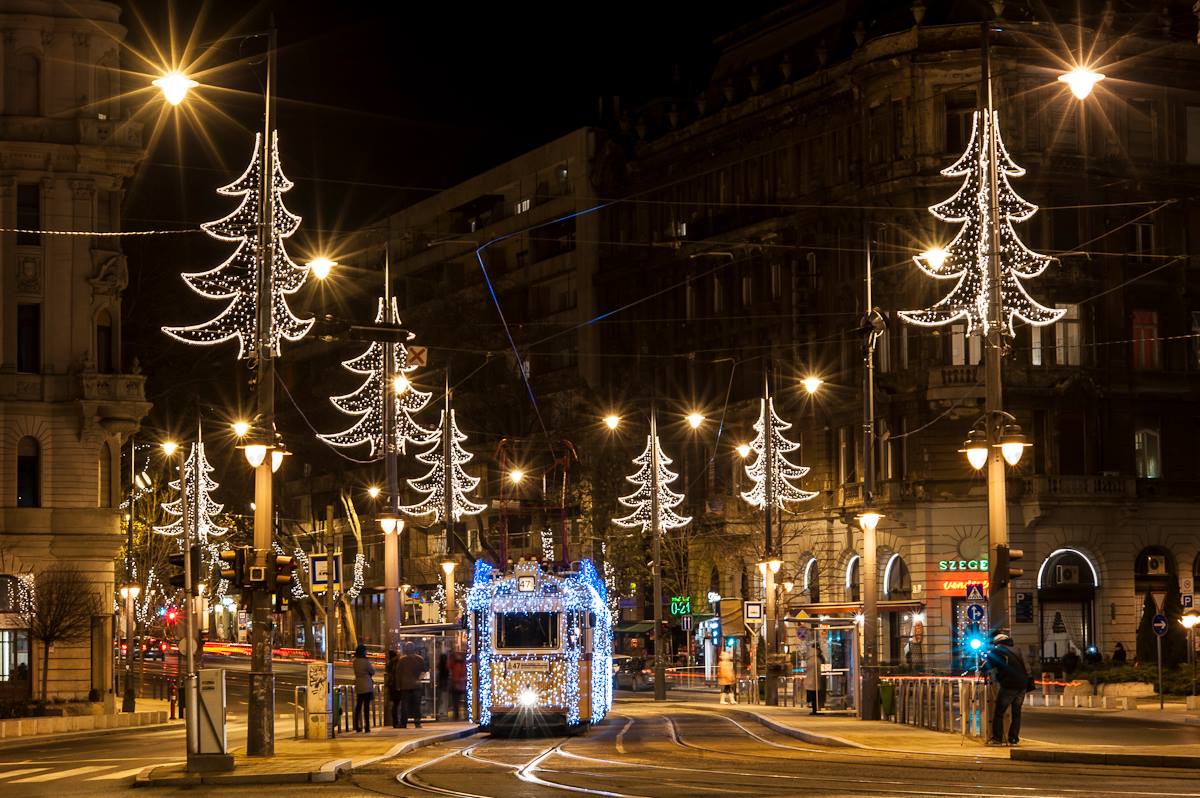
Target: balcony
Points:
x,y
1084,488
955,383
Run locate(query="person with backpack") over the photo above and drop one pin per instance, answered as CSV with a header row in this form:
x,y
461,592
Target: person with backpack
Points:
x,y
1006,667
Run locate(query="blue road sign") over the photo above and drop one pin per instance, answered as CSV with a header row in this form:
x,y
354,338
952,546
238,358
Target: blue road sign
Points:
x,y
975,593
976,613
1159,625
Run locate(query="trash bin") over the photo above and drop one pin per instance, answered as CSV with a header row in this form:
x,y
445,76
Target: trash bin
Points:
x,y
887,698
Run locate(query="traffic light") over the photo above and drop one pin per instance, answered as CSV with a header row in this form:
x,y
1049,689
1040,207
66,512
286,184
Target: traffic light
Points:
x,y
233,566
280,568
176,561
1005,573
975,640
279,599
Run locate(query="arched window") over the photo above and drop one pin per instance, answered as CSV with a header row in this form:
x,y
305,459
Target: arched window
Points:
x,y
897,582
105,356
104,477
852,581
24,89
812,581
29,473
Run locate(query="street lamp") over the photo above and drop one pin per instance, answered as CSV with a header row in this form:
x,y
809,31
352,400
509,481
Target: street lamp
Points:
x,y
1190,620
448,567
373,491
812,384
1081,80
321,266
129,592
743,450
516,476
695,419
612,421
174,86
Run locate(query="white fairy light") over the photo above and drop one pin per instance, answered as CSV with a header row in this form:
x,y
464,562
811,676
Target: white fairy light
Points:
x,y
781,471
966,258
202,511
442,477
367,401
648,483
236,280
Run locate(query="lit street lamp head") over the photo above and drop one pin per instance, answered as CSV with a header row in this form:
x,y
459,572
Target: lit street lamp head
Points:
x,y
934,257
175,86
373,491
869,519
401,385
743,450
695,419
812,384
320,267
612,421
256,453
169,448
1081,81
516,476
976,448
241,428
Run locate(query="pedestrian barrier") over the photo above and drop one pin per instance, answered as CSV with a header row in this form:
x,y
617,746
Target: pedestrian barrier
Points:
x,y
959,705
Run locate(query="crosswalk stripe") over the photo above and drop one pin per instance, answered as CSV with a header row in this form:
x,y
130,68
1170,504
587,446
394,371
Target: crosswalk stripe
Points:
x,y
119,774
12,774
54,775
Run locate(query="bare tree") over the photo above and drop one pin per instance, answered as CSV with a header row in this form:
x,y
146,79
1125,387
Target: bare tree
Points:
x,y
63,604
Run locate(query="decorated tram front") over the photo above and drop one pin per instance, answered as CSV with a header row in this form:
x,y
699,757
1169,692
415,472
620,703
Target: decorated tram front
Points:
x,y
539,647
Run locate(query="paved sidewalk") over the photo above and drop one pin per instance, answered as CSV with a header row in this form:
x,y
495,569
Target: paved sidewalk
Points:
x,y
845,731
298,761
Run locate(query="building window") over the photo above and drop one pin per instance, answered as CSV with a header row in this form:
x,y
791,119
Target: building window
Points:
x,y
1141,125
24,89
104,343
29,213
29,473
1035,346
1145,339
747,290
847,456
718,295
960,106
689,300
29,338
964,349
520,206
8,593
1143,240
1193,134
776,280
883,352
104,477
1146,454
1069,332
903,346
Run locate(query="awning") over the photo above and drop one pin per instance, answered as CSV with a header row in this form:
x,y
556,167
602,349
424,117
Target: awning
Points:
x,y
849,608
637,628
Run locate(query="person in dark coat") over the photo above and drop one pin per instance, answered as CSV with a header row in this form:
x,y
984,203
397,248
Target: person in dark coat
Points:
x,y
1006,667
1070,662
1119,655
458,682
409,668
392,686
364,689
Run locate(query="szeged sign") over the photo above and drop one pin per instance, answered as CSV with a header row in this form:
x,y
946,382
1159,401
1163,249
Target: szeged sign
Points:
x,y
963,565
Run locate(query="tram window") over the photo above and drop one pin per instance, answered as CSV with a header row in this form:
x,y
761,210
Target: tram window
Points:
x,y
527,630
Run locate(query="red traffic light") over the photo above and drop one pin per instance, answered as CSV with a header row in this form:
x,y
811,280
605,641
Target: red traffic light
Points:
x,y
172,615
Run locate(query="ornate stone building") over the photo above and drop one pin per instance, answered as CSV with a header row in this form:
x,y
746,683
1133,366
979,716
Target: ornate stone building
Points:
x,y
67,400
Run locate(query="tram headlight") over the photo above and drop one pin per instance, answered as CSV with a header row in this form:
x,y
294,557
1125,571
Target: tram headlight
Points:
x,y
527,698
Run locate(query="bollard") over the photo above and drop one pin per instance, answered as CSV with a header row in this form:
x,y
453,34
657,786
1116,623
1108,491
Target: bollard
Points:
x,y
171,698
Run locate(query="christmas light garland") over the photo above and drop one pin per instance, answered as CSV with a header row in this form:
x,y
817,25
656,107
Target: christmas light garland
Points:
x,y
366,403
237,278
648,484
572,597
780,470
203,510
441,477
967,258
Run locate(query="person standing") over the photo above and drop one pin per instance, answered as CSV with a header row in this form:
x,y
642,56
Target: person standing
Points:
x,y
1119,656
812,675
1007,668
442,696
364,689
408,678
726,677
457,681
392,686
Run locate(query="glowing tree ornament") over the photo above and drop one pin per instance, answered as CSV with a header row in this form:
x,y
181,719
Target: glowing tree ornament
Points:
x,y
780,471
966,259
202,510
446,482
367,402
236,280
652,477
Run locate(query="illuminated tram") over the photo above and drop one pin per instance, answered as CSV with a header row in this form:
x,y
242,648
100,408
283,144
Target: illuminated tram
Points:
x,y
539,650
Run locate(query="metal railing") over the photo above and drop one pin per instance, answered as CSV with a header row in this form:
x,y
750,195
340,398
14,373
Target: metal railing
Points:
x,y
791,690
344,699
958,705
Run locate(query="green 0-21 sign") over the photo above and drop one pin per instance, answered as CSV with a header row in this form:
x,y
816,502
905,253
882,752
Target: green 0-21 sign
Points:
x,y
681,605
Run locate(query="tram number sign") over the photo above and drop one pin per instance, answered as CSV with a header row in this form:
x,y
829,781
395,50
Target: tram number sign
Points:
x,y
681,605
526,584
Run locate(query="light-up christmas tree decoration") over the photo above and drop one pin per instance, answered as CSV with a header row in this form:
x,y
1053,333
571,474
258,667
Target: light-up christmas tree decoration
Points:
x,y
237,279
967,256
202,510
367,402
652,477
446,483
771,463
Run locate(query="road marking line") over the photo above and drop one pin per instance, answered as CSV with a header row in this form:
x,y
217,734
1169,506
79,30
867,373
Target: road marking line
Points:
x,y
119,774
621,736
54,775
14,773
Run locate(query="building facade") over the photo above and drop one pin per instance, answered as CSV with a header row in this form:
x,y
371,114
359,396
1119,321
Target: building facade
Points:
x,y
67,399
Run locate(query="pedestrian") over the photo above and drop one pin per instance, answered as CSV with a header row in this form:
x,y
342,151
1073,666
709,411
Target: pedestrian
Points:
x,y
364,689
1070,661
1119,654
812,676
1005,665
391,684
726,677
458,681
443,685
409,668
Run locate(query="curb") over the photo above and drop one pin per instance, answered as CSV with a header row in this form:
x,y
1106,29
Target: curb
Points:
x,y
327,773
39,739
1098,758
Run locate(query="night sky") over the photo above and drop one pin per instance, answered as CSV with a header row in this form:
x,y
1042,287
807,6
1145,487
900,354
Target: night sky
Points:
x,y
379,105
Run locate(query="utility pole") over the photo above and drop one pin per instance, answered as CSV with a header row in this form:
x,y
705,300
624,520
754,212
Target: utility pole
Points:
x,y
129,694
448,509
191,695
772,683
260,734
391,538
660,670
868,704
997,498
330,615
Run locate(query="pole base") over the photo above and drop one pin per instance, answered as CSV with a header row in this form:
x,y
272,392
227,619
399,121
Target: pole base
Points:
x,y
209,763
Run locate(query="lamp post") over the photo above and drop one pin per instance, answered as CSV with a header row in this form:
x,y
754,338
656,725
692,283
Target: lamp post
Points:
x,y
191,696
129,593
1191,619
660,667
448,567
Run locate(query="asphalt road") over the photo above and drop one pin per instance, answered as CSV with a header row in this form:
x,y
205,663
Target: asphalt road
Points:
x,y
641,751
1104,728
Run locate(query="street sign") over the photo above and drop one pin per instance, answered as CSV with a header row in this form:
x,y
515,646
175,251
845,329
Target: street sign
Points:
x,y
975,593
752,611
681,605
418,356
1187,584
1159,596
320,571
976,613
1186,600
1159,625
685,623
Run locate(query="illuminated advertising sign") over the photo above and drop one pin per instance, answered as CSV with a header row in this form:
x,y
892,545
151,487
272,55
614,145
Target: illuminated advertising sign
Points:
x,y
963,565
